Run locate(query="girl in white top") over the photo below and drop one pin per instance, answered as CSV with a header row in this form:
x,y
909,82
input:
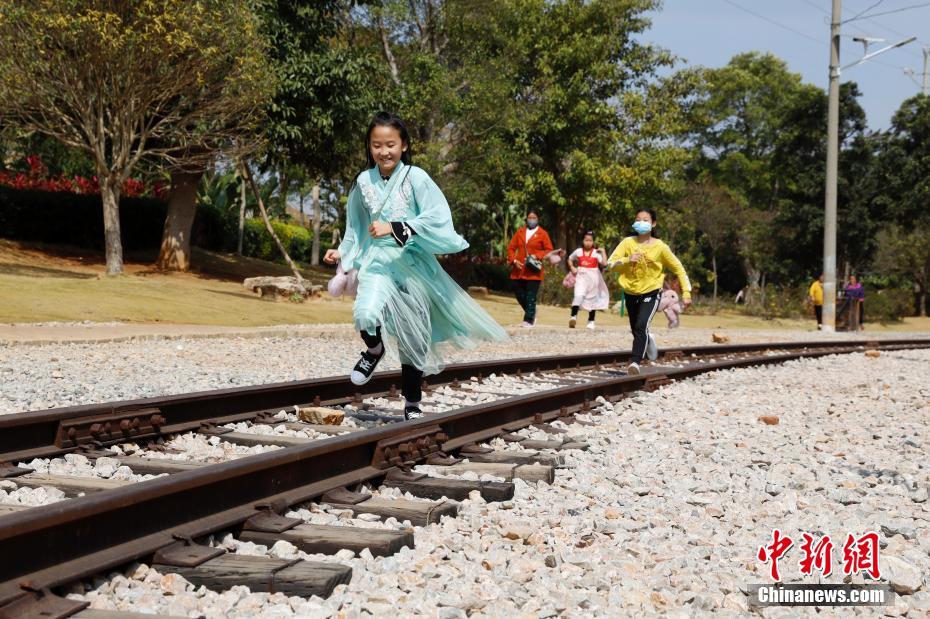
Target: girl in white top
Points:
x,y
590,289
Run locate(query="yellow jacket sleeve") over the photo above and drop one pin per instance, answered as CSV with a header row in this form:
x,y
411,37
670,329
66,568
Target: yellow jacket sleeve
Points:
x,y
673,264
616,258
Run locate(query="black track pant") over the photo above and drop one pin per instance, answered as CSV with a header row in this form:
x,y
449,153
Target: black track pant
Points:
x,y
411,380
641,308
818,311
526,291
592,314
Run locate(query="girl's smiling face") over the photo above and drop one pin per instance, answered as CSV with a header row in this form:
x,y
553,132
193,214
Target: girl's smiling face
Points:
x,y
386,147
588,242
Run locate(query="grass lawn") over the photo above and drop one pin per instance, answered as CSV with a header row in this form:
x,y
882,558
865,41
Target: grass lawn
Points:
x,y
44,284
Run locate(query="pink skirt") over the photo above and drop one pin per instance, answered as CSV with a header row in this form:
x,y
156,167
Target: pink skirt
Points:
x,y
591,290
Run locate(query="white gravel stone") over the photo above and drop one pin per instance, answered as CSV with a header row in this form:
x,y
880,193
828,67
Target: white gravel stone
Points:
x,y
154,366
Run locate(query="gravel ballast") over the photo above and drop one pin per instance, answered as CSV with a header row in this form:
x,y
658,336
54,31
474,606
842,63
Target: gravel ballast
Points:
x,y
34,377
663,514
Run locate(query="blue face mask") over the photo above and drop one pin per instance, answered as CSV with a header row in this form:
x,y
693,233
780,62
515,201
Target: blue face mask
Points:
x,y
642,227
532,223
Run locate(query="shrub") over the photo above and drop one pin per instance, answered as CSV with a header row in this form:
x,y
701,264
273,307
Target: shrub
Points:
x,y
889,305
215,229
780,302
257,243
552,292
469,270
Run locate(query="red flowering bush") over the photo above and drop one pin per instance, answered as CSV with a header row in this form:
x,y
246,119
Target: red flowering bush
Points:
x,y
38,179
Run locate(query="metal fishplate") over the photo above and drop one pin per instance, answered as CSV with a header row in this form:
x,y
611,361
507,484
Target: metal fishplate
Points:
x,y
406,449
186,553
116,426
654,382
41,603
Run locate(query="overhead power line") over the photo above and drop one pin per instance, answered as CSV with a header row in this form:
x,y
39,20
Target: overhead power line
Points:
x,y
774,22
901,10
864,32
859,14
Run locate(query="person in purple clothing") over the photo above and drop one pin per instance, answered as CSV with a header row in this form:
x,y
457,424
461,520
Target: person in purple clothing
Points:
x,y
856,294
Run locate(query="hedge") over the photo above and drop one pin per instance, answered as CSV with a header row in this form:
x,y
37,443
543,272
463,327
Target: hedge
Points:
x,y
77,219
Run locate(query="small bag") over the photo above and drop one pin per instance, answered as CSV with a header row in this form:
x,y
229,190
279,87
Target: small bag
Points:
x,y
569,280
533,263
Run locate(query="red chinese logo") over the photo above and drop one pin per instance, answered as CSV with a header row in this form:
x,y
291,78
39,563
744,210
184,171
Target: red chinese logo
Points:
x,y
817,556
861,555
774,551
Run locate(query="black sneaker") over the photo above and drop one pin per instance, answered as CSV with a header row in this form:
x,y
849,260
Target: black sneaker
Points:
x,y
412,412
365,367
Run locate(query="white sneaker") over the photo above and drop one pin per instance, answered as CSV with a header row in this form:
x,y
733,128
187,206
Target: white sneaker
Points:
x,y
571,322
633,369
652,349
591,325
526,325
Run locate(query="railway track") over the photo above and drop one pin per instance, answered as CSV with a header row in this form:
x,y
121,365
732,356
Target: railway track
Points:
x,y
165,520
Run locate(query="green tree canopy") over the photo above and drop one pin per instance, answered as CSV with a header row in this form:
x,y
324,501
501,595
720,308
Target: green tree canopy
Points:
x,y
132,80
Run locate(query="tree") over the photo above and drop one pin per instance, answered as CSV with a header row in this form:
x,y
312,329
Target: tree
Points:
x,y
172,81
903,166
906,252
761,136
324,97
593,120
554,105
717,216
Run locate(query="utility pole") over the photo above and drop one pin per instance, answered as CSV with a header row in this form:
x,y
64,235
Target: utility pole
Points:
x,y
924,89
828,319
911,73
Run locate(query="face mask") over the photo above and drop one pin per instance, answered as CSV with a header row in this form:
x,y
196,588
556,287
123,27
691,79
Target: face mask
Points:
x,y
532,223
642,227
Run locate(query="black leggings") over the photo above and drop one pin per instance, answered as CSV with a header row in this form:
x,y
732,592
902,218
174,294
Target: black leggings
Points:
x,y
591,313
411,378
641,308
818,312
526,291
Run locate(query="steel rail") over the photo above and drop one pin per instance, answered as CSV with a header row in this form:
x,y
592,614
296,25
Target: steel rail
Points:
x,y
52,432
60,543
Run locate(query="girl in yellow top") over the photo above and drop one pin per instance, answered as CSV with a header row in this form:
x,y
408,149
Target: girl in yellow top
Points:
x,y
641,260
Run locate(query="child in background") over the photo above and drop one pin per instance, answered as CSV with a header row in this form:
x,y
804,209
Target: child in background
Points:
x,y
641,260
590,289
397,221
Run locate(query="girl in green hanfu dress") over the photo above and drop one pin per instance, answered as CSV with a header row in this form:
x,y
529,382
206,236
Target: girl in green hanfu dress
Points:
x,y
397,222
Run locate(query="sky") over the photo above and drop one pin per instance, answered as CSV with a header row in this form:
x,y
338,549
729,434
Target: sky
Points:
x,y
710,32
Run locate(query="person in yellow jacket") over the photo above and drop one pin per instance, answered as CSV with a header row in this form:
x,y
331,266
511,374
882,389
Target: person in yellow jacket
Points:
x,y
815,296
641,261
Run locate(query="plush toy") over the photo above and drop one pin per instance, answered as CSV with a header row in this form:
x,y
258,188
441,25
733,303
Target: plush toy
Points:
x,y
342,283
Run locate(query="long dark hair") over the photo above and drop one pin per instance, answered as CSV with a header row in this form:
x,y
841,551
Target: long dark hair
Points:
x,y
652,215
388,119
